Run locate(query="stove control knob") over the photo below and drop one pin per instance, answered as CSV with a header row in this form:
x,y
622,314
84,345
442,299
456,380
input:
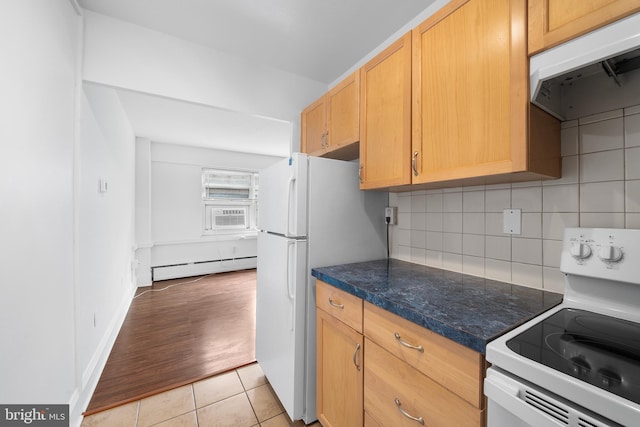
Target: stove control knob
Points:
x,y
610,253
580,251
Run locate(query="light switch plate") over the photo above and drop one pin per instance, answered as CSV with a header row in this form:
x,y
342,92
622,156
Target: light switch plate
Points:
x,y
511,221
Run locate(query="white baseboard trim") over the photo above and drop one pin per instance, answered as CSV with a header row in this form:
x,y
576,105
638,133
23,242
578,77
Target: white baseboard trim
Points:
x,y
144,279
201,268
90,376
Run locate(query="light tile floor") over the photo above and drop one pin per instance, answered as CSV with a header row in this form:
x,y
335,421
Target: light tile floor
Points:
x,y
239,398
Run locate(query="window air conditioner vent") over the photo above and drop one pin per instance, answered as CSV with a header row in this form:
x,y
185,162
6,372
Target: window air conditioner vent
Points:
x,y
229,218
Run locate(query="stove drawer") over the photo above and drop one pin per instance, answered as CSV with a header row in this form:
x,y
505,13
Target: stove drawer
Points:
x,y
396,394
454,366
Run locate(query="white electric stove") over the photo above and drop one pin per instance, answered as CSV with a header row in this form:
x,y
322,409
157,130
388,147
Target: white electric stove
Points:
x,y
577,364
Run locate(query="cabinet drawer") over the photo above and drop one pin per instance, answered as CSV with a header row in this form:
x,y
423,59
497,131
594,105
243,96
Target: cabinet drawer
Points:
x,y
450,364
388,381
340,304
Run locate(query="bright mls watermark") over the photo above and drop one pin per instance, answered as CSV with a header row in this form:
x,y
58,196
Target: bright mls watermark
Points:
x,y
34,415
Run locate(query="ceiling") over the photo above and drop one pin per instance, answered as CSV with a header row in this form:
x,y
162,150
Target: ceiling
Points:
x,y
318,39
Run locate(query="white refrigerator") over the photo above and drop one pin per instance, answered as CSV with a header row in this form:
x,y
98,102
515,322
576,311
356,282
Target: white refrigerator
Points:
x,y
311,214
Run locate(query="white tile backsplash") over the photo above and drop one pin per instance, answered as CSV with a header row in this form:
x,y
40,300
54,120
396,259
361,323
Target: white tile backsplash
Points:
x,y
632,196
531,225
632,131
460,229
473,223
434,241
419,202
452,243
473,201
551,250
497,270
473,244
603,135
632,220
602,219
529,199
570,172
599,117
452,222
497,200
560,198
570,141
602,166
452,262
498,248
632,162
493,224
452,202
526,251
434,221
435,202
419,221
554,223
527,275
473,265
602,197
553,279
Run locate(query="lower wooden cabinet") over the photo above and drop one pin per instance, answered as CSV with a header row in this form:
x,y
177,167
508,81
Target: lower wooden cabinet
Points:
x,y
339,366
396,394
376,369
369,421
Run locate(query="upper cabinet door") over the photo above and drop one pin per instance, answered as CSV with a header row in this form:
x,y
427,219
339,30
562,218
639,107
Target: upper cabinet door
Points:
x,y
552,22
470,91
385,117
330,126
343,102
313,128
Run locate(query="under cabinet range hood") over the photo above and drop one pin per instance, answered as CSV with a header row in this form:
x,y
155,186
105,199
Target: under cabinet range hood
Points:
x,y
597,72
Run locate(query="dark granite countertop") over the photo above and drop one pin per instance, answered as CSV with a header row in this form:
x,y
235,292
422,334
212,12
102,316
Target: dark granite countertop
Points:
x,y
467,309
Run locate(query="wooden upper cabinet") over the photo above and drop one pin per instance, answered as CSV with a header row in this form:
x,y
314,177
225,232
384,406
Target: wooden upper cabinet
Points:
x,y
552,22
385,117
313,126
471,97
343,116
330,126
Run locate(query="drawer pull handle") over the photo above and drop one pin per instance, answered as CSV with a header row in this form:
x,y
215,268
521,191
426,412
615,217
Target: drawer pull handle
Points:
x,y
414,163
340,306
406,344
355,356
406,414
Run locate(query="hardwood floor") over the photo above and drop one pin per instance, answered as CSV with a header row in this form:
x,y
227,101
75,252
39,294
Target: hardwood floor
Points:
x,y
185,333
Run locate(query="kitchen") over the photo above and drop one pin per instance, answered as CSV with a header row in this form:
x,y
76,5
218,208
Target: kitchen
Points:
x,y
608,200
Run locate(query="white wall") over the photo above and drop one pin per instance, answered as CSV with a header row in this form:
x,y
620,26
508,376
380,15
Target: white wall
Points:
x,y
175,205
106,231
460,229
128,56
38,81
66,250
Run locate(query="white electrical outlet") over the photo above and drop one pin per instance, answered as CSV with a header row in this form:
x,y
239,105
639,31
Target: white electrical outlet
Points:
x,y
391,215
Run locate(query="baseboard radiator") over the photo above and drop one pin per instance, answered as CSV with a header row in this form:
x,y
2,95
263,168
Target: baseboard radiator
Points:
x,y
176,271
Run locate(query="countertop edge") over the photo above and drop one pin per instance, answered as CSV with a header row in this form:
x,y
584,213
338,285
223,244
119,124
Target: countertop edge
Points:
x,y
440,328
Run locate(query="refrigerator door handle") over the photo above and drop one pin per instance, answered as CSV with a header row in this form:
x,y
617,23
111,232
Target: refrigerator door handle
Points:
x,y
290,184
290,294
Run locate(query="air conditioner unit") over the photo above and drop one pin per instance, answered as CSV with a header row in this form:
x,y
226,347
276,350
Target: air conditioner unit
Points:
x,y
225,218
